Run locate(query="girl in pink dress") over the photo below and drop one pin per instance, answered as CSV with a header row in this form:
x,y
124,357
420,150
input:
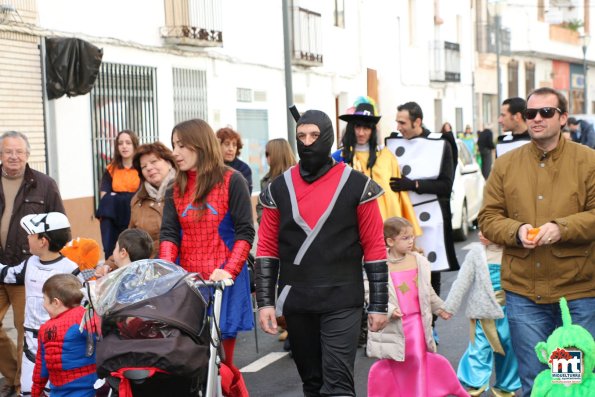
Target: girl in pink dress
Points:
x,y
409,364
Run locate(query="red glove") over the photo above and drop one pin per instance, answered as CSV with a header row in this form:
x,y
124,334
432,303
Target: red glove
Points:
x,y
168,251
238,257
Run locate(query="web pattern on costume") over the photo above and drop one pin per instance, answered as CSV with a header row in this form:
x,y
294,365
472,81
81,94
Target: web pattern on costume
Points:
x,y
61,355
207,229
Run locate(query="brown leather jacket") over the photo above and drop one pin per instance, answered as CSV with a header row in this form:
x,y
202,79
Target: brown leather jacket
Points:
x,y
526,186
38,194
146,214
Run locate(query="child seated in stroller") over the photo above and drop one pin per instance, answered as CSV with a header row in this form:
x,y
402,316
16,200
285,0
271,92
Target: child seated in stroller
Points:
x,y
155,341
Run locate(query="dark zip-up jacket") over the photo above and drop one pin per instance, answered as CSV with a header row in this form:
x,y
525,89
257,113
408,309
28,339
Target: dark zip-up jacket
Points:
x,y
38,194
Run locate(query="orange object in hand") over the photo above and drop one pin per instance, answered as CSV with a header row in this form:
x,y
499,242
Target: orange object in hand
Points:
x,y
532,233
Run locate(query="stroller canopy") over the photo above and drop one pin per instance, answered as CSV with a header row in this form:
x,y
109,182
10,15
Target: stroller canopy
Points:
x,y
153,315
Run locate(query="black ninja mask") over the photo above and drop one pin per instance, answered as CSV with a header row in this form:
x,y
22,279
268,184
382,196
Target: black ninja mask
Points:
x,y
316,160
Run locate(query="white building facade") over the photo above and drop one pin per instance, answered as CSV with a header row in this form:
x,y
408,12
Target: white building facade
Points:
x,y
165,61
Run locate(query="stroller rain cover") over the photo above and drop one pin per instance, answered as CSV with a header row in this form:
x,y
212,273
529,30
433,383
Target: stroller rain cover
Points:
x,y
153,315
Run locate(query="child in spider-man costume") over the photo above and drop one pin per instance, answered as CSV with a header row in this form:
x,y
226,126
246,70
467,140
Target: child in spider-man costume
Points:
x,y
65,355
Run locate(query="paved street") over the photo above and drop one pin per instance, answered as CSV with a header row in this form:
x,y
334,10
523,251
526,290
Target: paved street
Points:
x,y
272,373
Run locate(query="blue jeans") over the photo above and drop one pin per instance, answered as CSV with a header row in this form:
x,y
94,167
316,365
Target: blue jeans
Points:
x,y
531,323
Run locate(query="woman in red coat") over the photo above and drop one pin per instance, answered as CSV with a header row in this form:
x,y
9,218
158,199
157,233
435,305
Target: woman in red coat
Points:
x,y
207,224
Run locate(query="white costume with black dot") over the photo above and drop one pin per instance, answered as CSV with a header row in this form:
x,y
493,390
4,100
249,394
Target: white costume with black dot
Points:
x,y
422,159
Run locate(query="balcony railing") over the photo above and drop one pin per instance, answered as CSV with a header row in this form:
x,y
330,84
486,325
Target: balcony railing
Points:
x,y
307,37
445,61
486,39
193,22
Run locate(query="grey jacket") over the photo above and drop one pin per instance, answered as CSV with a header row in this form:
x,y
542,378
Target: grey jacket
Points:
x,y
474,277
390,342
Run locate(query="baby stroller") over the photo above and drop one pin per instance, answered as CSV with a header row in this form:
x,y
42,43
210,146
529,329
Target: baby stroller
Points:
x,y
156,339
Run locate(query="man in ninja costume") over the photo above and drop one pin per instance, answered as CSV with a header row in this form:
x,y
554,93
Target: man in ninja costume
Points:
x,y
320,223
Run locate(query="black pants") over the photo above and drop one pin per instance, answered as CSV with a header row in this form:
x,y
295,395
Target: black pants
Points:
x,y
324,347
436,281
486,162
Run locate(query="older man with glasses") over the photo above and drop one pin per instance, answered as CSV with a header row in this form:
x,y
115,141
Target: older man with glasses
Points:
x,y
23,191
547,185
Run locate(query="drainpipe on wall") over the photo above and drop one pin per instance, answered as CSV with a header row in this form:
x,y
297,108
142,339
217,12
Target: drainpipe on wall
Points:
x,y
49,125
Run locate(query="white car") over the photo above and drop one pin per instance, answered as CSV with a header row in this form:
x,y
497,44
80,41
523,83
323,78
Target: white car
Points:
x,y
467,193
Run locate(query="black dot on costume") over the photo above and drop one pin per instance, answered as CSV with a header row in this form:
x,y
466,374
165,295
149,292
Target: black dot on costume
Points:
x,y
432,257
424,216
400,151
406,170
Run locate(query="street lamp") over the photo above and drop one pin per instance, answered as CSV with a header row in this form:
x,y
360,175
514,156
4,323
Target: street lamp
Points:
x,y
585,40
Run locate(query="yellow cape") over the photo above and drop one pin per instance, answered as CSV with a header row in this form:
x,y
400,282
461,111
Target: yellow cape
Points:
x,y
390,203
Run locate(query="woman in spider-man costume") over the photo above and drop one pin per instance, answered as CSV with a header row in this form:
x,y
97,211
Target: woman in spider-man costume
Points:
x,y
208,226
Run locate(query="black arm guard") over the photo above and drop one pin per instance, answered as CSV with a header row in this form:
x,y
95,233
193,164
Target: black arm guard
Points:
x,y
378,281
267,272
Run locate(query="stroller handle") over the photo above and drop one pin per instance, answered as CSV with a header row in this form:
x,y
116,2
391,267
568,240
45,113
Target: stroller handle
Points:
x,y
220,285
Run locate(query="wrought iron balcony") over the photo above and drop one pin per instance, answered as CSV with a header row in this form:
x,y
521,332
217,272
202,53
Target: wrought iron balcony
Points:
x,y
193,22
307,38
445,61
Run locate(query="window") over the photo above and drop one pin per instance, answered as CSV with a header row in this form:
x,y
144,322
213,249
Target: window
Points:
x,y
445,61
124,97
190,94
513,78
490,108
253,126
459,119
529,77
307,37
464,154
438,114
452,53
340,13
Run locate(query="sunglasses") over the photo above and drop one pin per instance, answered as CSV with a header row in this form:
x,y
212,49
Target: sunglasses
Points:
x,y
546,113
267,154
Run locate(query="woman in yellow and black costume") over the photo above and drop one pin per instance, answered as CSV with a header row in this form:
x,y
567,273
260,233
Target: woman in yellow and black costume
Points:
x,y
360,151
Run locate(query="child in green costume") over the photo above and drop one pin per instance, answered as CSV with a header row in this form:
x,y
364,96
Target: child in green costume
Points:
x,y
568,336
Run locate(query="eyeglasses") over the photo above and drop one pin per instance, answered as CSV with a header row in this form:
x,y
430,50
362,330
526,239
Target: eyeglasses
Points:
x,y
546,113
18,152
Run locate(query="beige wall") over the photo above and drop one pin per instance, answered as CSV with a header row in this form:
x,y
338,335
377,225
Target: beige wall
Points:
x,y
81,213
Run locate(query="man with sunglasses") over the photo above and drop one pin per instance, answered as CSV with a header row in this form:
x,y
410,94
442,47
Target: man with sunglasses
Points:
x,y
512,121
548,184
23,191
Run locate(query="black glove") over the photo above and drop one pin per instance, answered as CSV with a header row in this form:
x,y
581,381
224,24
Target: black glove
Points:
x,y
402,184
377,273
266,275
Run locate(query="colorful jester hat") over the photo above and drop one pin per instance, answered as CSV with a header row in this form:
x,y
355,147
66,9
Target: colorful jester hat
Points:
x,y
363,110
568,336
